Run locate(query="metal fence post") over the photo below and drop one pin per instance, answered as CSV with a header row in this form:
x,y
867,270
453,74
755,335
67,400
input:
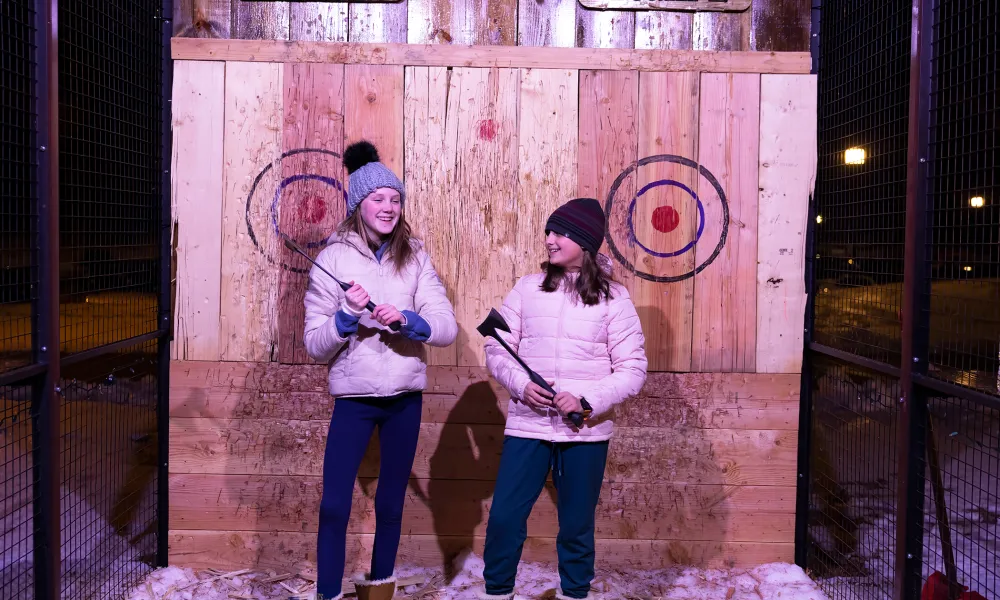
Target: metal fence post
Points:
x,y
46,443
164,319
915,313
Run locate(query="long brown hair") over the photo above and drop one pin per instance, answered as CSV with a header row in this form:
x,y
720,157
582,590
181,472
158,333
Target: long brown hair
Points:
x,y
592,285
400,244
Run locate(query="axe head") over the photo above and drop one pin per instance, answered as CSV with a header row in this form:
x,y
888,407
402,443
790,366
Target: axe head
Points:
x,y
493,322
292,245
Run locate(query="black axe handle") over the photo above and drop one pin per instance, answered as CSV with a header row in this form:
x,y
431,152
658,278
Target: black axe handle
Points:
x,y
537,379
343,285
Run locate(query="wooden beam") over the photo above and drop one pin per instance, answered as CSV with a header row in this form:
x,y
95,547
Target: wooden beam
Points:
x,y
685,5
446,55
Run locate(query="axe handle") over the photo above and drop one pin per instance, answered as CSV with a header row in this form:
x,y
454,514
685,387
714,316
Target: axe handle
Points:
x,y
537,379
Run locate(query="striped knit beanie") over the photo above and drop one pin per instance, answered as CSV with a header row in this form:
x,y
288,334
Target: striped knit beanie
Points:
x,y
367,174
581,220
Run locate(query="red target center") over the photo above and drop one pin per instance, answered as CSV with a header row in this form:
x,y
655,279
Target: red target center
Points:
x,y
665,219
312,209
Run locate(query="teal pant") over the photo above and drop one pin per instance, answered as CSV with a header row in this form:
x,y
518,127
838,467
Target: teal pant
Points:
x,y
577,471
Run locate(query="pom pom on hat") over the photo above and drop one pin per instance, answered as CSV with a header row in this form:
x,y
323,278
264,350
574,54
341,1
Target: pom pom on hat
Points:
x,y
360,154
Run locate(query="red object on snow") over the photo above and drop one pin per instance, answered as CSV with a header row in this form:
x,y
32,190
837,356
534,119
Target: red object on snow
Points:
x,y
936,588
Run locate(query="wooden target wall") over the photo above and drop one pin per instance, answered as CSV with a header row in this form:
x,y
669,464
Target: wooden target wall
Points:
x,y
705,163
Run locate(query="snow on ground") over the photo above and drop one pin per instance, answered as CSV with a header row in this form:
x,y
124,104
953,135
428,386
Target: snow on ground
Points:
x,y
768,582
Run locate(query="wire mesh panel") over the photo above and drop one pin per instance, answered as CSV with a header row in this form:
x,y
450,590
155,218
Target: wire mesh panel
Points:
x,y
16,493
17,181
109,472
964,191
852,505
110,152
860,208
962,494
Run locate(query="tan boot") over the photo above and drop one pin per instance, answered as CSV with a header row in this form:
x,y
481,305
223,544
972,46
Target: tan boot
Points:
x,y
381,589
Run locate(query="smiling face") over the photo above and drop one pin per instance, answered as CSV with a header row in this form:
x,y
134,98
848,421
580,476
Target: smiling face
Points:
x,y
563,252
380,212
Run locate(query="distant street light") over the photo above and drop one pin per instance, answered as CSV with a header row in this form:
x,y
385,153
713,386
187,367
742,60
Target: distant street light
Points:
x,y
977,202
854,156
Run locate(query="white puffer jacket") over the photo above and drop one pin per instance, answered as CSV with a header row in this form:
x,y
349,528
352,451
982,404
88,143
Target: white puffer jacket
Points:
x,y
375,361
596,352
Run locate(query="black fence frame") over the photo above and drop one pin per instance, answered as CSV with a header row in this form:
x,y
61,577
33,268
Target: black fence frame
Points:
x,y
915,385
47,363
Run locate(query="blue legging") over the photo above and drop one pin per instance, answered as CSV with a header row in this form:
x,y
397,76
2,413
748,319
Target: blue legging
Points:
x,y
398,421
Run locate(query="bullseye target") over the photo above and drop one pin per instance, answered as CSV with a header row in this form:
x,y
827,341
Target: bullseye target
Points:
x,y
298,196
668,218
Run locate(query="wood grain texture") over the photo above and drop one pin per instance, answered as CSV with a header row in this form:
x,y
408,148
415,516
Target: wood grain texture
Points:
x,y
378,22
547,23
318,21
486,172
454,508
446,55
202,19
286,551
787,179
721,31
249,286
726,6
431,141
781,25
373,110
604,28
725,312
446,451
466,22
197,190
310,208
260,20
547,156
609,140
668,124
661,30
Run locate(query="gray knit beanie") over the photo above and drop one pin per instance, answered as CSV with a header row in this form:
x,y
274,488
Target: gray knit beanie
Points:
x,y
367,174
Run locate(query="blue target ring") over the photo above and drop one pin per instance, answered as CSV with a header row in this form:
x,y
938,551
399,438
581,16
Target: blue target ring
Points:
x,y
701,218
290,180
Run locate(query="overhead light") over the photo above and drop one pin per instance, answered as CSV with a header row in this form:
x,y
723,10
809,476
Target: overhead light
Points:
x,y
977,202
967,268
854,156
850,261
819,218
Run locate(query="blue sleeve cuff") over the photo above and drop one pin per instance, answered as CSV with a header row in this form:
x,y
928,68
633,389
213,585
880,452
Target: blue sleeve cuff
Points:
x,y
416,328
346,324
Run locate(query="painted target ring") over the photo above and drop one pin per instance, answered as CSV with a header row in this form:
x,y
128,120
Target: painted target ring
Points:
x,y
666,218
313,208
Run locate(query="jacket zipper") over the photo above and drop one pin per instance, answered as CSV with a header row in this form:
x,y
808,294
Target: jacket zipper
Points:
x,y
553,413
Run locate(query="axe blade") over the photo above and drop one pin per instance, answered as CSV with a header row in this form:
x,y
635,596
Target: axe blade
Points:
x,y
493,322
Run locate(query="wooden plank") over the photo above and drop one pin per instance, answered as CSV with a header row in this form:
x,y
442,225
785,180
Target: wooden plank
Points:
x,y
260,20
466,22
202,18
286,551
430,148
668,121
252,142
318,21
726,6
447,507
547,156
373,110
721,31
198,122
604,28
787,179
781,26
313,202
725,311
378,23
547,23
486,170
609,139
446,55
659,30
457,451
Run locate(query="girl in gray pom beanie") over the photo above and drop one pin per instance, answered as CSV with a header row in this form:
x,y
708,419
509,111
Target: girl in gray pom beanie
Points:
x,y
376,375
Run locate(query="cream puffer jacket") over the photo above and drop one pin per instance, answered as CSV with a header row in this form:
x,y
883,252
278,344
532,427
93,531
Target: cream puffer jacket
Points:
x,y
375,361
595,352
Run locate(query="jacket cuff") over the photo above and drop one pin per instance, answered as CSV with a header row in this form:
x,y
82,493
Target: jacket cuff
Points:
x,y
344,306
347,324
415,327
